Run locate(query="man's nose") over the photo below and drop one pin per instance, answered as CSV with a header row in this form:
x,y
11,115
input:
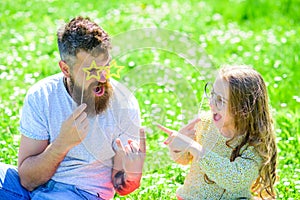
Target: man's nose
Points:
x,y
103,75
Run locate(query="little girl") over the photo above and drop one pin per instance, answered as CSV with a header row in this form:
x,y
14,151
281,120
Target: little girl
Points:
x,y
235,151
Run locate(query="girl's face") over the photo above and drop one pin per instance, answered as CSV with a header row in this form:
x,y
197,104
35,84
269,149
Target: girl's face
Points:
x,y
219,106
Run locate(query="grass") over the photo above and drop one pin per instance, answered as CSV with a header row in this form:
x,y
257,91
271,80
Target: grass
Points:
x,y
162,71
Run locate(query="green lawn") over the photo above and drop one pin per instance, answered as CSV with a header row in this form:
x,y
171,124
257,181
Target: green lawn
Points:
x,y
160,44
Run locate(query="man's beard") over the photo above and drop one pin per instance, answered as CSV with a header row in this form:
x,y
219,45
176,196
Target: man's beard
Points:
x,y
95,104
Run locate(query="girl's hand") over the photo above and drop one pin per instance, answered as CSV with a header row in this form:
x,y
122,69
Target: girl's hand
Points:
x,y
179,143
189,129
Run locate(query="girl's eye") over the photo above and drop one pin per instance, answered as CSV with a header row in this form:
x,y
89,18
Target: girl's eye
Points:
x,y
219,99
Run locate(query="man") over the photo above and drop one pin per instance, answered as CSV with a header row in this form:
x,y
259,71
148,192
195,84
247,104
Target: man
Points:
x,y
74,125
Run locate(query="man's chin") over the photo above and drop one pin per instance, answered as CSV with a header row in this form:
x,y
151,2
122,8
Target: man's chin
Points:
x,y
98,108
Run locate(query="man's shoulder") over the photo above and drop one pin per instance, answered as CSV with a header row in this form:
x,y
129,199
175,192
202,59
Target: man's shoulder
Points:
x,y
122,93
121,90
46,85
118,86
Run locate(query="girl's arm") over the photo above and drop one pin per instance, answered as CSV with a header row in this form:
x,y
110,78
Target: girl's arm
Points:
x,y
232,176
183,158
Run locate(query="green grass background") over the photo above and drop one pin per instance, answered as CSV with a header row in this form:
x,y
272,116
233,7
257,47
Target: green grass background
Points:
x,y
260,33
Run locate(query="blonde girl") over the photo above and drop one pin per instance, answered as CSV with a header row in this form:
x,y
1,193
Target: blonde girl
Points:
x,y
233,150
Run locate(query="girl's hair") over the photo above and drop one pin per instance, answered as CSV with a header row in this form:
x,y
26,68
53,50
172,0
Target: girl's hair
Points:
x,y
248,104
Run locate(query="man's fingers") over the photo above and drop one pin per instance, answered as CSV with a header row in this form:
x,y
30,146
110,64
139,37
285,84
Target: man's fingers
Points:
x,y
82,117
78,111
127,148
165,129
134,146
120,145
85,124
142,140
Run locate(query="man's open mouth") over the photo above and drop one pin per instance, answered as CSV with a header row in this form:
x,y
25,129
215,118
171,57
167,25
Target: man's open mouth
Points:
x,y
99,90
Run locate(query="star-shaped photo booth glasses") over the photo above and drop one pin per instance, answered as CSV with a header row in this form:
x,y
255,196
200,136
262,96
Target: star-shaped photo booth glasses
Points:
x,y
94,71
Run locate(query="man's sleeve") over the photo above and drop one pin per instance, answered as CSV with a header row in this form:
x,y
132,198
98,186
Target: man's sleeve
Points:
x,y
33,123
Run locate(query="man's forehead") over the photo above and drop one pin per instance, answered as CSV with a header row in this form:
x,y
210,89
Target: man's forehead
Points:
x,y
86,57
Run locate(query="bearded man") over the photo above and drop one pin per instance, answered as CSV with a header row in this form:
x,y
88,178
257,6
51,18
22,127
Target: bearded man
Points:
x,y
80,128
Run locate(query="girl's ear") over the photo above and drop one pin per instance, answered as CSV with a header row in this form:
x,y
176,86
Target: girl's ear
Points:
x,y
64,68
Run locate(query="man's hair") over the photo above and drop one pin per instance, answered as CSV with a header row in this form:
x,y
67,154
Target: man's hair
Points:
x,y
81,34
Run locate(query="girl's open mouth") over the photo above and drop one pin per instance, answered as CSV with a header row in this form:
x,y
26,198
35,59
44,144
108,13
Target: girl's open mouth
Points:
x,y
216,117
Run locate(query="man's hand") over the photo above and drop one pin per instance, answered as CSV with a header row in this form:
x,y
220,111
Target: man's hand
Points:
x,y
133,156
129,161
74,129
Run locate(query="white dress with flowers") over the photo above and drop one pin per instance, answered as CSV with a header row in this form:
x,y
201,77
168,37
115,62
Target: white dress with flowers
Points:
x,y
231,179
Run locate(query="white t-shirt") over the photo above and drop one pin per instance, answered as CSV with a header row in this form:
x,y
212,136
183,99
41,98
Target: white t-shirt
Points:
x,y
88,165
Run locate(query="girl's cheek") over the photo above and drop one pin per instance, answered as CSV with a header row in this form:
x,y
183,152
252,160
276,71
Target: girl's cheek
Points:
x,y
210,104
225,115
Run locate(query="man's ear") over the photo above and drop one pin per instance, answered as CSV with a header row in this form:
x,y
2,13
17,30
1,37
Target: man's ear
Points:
x,y
64,67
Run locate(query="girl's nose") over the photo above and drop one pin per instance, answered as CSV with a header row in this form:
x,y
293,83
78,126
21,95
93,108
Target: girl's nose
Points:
x,y
211,104
210,101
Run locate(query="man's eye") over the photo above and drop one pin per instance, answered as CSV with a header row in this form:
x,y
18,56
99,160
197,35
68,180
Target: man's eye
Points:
x,y
93,70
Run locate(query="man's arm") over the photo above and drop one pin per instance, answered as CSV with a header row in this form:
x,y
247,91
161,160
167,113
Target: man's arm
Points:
x,y
128,165
38,160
